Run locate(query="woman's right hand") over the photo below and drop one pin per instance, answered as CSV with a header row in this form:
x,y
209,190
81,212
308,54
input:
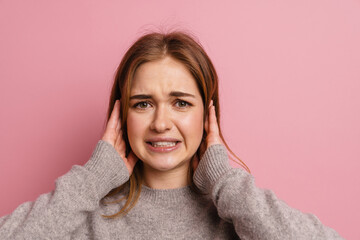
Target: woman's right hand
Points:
x,y
113,135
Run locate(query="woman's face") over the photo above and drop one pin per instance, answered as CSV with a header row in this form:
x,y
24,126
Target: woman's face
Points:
x,y
165,118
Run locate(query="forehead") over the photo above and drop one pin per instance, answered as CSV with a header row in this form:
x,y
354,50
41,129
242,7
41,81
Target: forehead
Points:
x,y
163,76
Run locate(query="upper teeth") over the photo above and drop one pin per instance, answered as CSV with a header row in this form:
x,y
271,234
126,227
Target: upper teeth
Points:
x,y
163,144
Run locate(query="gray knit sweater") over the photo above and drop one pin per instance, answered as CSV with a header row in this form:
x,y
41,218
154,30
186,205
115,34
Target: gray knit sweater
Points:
x,y
234,207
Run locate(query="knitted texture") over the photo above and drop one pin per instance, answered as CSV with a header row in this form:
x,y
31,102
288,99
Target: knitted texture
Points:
x,y
232,208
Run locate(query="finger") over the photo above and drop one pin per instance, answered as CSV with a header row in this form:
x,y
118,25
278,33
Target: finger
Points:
x,y
207,118
114,116
117,140
213,126
118,126
121,141
206,124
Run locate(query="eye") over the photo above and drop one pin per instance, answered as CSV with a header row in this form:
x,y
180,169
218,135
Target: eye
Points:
x,y
183,104
141,105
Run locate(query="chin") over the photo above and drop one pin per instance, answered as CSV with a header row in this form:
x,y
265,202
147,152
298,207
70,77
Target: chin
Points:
x,y
166,165
163,167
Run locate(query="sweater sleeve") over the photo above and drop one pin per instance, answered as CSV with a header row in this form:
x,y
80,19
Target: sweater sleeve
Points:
x,y
255,213
55,215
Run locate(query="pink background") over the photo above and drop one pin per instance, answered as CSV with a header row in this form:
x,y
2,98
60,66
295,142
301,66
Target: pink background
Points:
x,y
289,86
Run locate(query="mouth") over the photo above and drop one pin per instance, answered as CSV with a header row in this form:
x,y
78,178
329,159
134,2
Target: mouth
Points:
x,y
163,144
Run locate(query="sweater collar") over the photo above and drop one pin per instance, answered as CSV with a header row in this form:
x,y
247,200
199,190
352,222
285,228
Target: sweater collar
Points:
x,y
167,195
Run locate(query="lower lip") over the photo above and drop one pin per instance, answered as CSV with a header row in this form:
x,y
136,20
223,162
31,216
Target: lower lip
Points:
x,y
163,149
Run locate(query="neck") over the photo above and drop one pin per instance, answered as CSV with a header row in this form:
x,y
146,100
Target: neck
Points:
x,y
175,178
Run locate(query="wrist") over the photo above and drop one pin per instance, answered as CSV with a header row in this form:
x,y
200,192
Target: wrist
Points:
x,y
213,164
107,166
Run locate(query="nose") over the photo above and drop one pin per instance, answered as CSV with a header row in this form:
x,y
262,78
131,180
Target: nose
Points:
x,y
162,120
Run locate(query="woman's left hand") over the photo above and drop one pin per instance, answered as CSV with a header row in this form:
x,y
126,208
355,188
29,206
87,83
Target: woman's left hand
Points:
x,y
212,131
212,128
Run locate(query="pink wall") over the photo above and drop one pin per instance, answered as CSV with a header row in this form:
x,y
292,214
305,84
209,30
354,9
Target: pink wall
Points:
x,y
290,82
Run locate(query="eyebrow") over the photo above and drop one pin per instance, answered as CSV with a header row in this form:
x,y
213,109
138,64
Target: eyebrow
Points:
x,y
173,94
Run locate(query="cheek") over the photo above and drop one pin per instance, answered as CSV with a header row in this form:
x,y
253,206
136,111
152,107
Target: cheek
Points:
x,y
134,128
192,126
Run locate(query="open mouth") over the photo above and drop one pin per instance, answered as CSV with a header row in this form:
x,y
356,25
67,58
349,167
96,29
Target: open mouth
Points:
x,y
163,144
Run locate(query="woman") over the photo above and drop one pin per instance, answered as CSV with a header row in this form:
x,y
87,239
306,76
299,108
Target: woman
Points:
x,y
161,169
